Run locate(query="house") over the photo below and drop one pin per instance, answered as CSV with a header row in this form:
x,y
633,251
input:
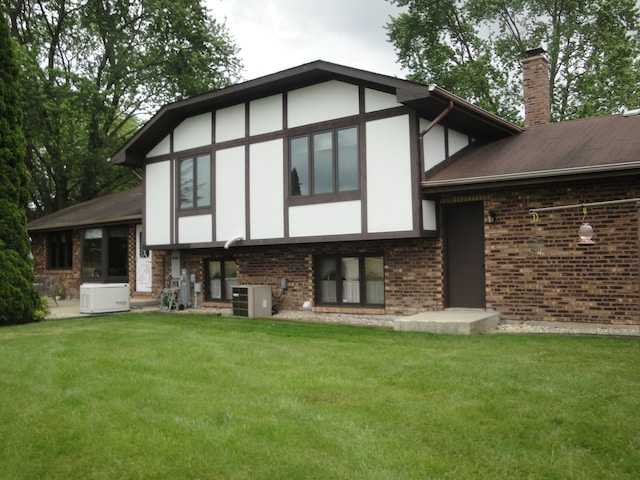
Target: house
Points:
x,y
355,192
99,241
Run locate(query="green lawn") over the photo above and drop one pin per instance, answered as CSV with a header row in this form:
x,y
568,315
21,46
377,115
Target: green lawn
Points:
x,y
170,396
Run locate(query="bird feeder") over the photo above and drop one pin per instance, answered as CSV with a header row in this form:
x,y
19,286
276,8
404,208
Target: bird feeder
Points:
x,y
585,232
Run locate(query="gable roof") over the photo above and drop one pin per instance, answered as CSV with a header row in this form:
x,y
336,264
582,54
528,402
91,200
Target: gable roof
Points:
x,y
594,147
120,207
429,101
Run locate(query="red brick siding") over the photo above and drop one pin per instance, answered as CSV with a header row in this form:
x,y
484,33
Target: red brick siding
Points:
x,y
70,279
413,281
537,104
565,282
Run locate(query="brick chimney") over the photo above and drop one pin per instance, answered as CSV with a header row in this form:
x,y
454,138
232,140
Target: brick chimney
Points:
x,y
537,100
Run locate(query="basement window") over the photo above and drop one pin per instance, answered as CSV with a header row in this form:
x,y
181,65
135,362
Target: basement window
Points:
x,y
222,275
350,280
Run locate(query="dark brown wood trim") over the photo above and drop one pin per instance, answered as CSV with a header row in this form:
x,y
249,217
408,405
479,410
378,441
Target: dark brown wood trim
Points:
x,y
300,240
247,191
416,171
362,159
286,184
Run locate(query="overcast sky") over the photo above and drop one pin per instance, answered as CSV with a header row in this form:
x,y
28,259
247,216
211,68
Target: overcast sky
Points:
x,y
274,35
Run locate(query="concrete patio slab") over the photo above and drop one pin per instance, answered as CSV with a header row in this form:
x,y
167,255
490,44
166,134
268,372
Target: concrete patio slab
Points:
x,y
450,321
71,308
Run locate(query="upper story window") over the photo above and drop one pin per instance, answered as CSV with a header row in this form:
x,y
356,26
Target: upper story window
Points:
x,y
59,250
195,182
324,163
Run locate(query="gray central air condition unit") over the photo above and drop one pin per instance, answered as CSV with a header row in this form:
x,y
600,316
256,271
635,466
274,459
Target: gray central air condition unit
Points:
x,y
252,301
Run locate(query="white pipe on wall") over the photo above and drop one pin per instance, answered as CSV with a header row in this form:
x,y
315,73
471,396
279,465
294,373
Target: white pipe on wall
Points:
x,y
233,240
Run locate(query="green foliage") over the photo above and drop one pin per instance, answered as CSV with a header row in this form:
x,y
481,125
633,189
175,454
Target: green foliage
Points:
x,y
473,49
93,70
162,395
18,298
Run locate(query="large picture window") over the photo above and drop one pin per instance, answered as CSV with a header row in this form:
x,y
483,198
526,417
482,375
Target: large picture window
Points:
x,y
324,163
195,182
59,251
350,280
105,254
222,275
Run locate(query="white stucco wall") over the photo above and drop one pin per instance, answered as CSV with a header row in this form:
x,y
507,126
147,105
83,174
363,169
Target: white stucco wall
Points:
x,y
230,123
340,218
266,187
457,141
375,100
195,229
325,101
265,115
193,132
389,182
162,148
230,193
157,215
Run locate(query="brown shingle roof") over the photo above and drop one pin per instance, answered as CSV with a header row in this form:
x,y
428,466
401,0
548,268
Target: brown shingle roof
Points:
x,y
119,207
595,146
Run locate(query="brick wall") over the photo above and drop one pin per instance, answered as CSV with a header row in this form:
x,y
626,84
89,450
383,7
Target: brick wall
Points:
x,y
70,279
535,79
564,281
413,281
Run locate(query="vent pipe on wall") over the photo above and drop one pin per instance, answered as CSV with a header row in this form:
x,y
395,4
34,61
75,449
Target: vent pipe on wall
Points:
x,y
233,240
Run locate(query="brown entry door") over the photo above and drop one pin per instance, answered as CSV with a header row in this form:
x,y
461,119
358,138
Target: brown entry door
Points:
x,y
464,256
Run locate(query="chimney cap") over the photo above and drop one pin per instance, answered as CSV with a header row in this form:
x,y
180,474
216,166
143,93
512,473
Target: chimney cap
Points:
x,y
535,51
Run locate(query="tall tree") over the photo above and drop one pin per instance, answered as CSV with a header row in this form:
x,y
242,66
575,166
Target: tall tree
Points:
x,y
93,69
19,301
473,48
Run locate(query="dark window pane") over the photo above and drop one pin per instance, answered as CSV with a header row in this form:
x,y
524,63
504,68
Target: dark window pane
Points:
x,y
92,253
215,279
186,183
350,280
60,250
348,171
299,154
374,280
230,278
322,163
204,181
118,252
327,274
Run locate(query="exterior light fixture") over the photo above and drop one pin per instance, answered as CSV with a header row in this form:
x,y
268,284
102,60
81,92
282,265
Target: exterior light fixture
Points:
x,y
585,232
491,217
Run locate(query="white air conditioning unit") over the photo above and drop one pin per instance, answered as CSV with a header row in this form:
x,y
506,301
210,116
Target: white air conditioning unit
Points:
x,y
104,297
252,301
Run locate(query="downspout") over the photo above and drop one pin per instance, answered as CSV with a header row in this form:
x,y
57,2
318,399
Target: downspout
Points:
x,y
426,130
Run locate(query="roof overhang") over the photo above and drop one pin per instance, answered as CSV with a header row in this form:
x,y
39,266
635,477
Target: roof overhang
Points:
x,y
428,101
529,178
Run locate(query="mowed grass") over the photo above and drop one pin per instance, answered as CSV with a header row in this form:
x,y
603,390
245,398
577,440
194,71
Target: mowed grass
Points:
x,y
155,396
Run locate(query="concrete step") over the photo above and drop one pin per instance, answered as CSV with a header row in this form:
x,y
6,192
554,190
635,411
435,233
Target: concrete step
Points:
x,y
450,321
